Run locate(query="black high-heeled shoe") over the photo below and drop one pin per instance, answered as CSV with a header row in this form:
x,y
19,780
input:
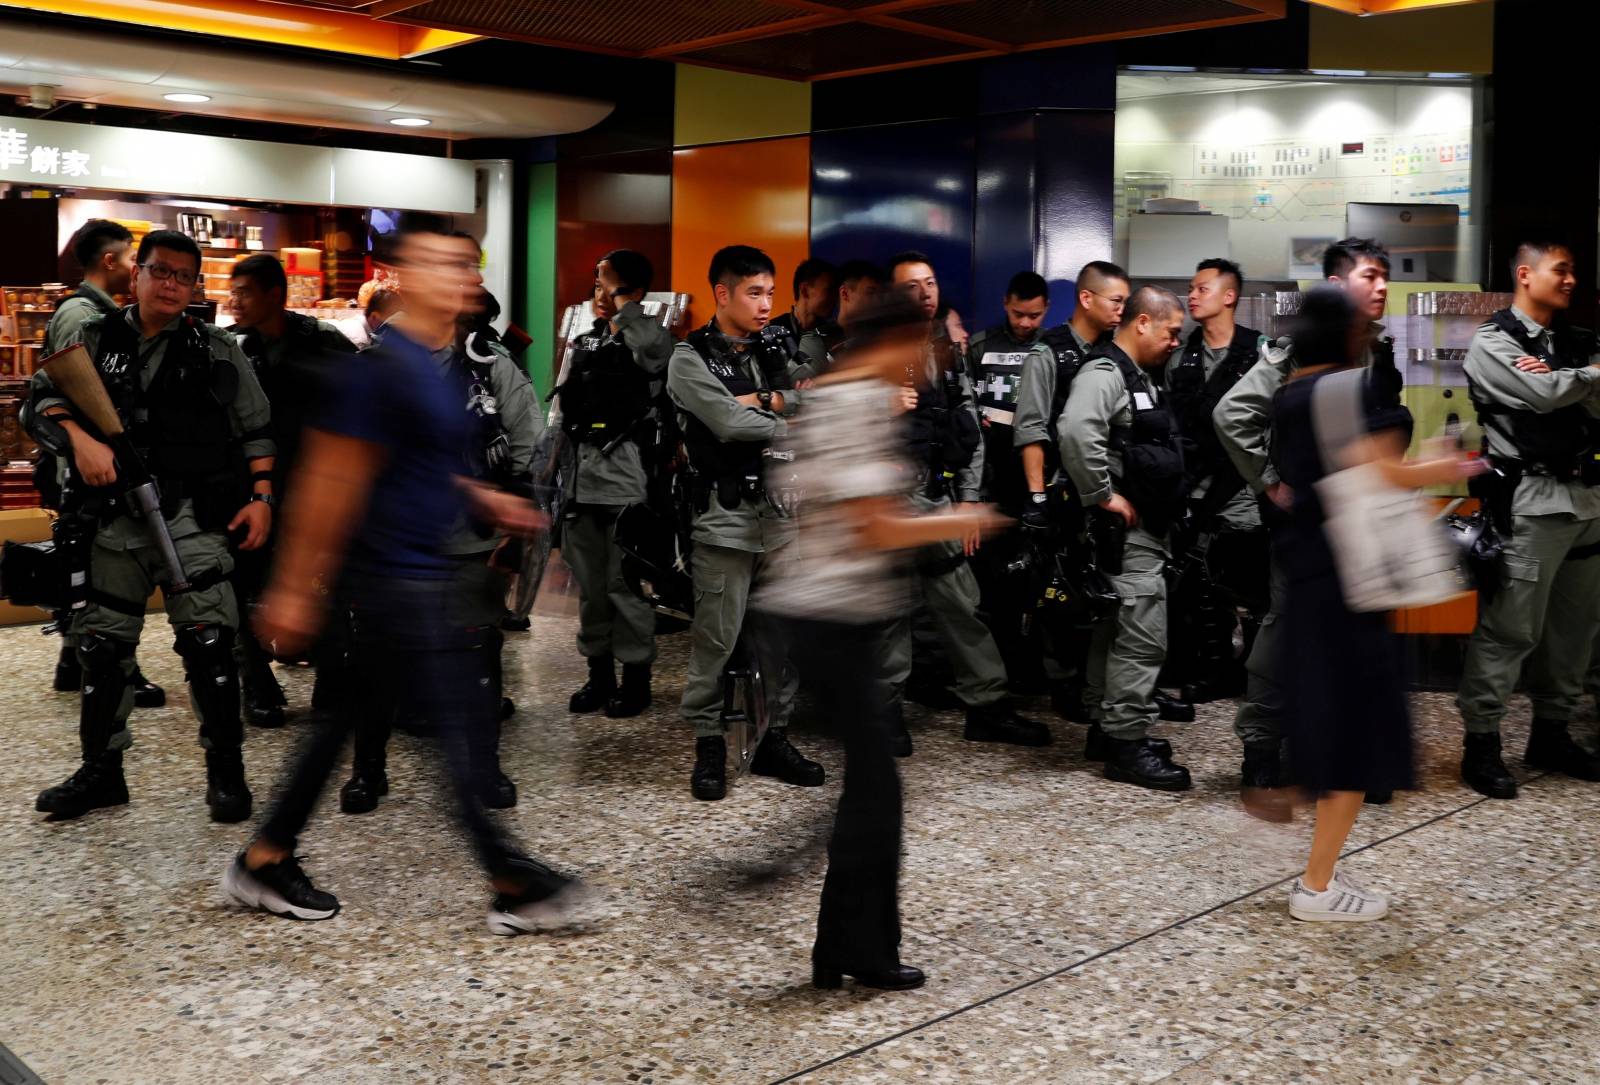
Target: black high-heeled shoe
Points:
x,y
900,977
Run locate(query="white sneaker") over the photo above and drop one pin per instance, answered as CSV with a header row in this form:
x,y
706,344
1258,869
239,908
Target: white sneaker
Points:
x,y
1339,903
571,907
1348,881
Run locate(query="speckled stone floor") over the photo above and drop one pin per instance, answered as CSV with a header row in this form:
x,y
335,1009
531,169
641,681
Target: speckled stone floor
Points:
x,y
1074,930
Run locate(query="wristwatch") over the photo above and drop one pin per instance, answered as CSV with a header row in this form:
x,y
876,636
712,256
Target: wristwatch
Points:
x,y
765,399
266,499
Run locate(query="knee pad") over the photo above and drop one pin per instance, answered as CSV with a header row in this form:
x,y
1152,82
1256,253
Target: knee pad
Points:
x,y
205,649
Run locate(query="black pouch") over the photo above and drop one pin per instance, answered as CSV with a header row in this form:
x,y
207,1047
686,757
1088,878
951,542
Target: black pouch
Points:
x,y
728,491
34,575
1108,531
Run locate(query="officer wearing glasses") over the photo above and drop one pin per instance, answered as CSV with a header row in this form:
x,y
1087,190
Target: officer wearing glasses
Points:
x,y
190,401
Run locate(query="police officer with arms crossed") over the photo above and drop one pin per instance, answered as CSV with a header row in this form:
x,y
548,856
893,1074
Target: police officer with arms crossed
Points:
x,y
1535,381
190,399
1224,516
946,447
1243,420
504,423
731,396
1121,448
290,353
104,249
859,282
607,396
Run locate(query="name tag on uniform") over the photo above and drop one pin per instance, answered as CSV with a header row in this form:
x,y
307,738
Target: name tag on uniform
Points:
x,y
1142,401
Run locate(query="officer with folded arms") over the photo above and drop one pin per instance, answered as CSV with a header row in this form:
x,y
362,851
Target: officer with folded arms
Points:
x,y
1120,445
1535,381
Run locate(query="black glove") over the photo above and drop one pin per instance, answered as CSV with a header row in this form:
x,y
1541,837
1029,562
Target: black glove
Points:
x,y
1036,513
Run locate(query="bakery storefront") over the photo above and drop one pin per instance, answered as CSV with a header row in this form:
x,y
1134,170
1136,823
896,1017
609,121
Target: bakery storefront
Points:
x,y
318,209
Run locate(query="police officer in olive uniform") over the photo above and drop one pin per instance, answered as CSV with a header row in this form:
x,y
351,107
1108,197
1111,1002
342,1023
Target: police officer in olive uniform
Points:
x,y
732,391
816,300
1047,374
503,434
859,282
1535,381
1224,534
1243,421
607,398
190,400
104,249
290,353
947,448
995,358
1121,448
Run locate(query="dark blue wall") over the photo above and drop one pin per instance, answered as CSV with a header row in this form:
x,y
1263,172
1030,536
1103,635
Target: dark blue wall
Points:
x,y
1004,212
876,191
1074,189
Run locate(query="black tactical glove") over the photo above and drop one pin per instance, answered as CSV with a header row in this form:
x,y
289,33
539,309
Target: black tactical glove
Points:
x,y
1036,513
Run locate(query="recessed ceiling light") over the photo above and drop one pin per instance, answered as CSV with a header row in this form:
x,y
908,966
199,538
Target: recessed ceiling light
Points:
x,y
410,122
187,98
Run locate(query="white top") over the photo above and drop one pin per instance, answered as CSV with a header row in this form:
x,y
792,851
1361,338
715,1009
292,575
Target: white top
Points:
x,y
847,445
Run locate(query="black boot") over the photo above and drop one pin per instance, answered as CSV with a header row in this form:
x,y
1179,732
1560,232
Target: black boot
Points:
x,y
1262,768
1551,747
1095,748
69,674
1482,768
633,696
826,976
97,783
500,793
776,756
1171,709
226,792
998,723
899,737
368,783
146,694
262,715
1135,761
597,691
709,779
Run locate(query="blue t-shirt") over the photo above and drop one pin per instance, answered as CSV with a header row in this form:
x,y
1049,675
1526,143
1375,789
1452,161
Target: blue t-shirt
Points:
x,y
394,395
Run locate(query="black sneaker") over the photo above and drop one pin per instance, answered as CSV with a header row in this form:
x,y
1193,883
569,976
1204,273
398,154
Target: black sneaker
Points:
x,y
281,888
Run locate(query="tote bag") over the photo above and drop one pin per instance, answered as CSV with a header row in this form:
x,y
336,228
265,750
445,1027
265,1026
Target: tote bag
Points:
x,y
1388,550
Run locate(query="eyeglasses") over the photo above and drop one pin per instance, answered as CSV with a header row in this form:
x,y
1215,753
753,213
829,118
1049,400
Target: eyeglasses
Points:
x,y
1116,301
161,273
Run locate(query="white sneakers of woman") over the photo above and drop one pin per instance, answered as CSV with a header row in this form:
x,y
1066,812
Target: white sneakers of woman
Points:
x,y
1344,901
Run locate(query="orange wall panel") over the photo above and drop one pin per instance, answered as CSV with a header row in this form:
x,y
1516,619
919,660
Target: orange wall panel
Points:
x,y
756,193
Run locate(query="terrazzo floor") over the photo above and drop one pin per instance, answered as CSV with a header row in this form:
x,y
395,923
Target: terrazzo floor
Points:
x,y
1073,930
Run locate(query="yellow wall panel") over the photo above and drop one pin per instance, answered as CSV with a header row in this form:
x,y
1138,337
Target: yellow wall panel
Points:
x,y
714,106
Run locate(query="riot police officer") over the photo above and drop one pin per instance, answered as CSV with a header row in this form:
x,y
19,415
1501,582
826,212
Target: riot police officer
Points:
x,y
859,282
947,450
816,299
1243,421
732,390
1535,381
1120,447
1224,537
505,424
607,399
1047,374
104,249
190,401
290,353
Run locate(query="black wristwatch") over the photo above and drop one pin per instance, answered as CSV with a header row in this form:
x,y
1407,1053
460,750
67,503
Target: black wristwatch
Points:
x,y
765,399
266,499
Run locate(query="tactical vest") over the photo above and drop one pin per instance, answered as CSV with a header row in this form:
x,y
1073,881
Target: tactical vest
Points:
x,y
784,332
1069,359
487,453
295,385
1562,442
999,373
605,394
942,429
1152,452
734,469
1194,397
180,423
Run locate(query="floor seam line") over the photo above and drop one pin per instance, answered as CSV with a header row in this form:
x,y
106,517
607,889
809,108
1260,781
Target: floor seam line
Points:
x,y
1045,977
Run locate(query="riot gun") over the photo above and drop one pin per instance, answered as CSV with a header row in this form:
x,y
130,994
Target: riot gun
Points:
x,y
74,375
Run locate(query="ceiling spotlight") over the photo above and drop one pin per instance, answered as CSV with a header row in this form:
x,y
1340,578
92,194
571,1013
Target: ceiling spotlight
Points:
x,y
410,122
187,98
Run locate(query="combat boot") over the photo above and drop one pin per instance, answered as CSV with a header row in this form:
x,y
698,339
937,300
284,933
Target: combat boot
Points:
x,y
1095,746
1483,769
1551,747
368,783
998,723
97,783
1135,761
146,694
1172,709
1262,768
709,779
776,756
633,696
597,692
226,792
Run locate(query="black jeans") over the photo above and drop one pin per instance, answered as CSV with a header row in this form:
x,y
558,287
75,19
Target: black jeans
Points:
x,y
858,926
409,646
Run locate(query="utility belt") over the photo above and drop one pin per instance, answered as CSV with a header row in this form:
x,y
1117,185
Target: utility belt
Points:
x,y
731,490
